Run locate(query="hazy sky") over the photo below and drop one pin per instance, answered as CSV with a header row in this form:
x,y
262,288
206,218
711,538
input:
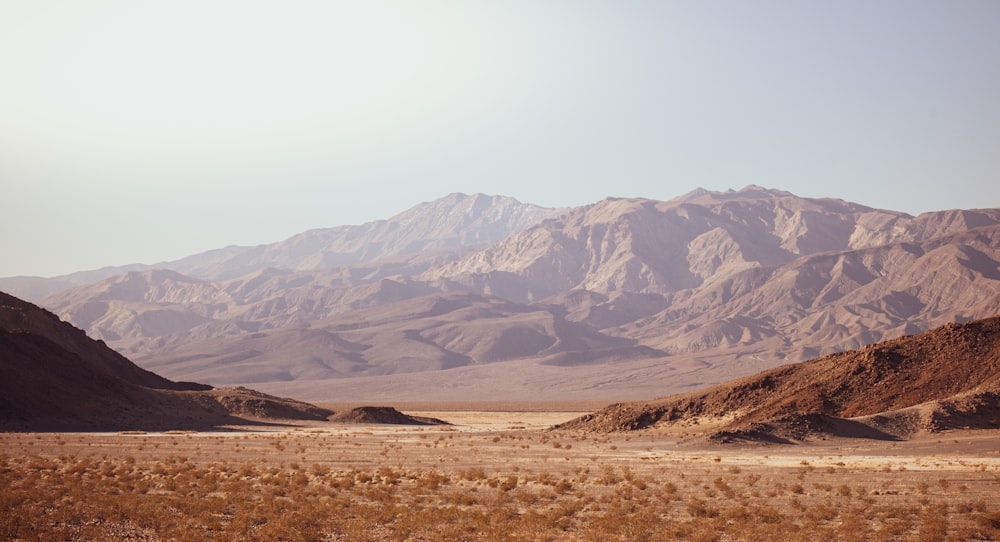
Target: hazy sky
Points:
x,y
135,131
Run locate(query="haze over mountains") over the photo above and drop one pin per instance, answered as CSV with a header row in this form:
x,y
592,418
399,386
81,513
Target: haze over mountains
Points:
x,y
475,297
415,237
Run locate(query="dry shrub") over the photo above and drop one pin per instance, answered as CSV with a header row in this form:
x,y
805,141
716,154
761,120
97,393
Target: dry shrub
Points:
x,y
432,480
176,498
509,483
563,486
933,524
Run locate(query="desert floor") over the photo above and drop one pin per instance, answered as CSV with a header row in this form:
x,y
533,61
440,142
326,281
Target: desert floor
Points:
x,y
497,473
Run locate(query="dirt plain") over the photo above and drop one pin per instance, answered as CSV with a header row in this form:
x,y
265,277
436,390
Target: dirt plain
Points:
x,y
496,473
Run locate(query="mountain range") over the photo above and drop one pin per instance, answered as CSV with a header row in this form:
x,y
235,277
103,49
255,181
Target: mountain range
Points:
x,y
484,297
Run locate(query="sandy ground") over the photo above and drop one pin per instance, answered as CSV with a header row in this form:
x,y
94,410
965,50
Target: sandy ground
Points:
x,y
488,434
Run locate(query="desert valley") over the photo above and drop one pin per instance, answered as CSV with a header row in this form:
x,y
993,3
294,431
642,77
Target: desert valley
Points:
x,y
739,365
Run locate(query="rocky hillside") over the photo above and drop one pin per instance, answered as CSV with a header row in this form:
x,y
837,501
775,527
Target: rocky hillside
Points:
x,y
942,379
53,377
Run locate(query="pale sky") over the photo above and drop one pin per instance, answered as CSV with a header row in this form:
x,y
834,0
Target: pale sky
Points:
x,y
139,131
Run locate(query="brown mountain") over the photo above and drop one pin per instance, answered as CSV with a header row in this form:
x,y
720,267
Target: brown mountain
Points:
x,y
942,379
710,285
54,377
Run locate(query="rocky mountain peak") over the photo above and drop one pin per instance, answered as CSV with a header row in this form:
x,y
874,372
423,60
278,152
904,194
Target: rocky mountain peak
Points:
x,y
641,245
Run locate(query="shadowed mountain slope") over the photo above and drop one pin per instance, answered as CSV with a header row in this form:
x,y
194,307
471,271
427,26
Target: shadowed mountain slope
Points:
x,y
428,333
53,377
156,310
945,378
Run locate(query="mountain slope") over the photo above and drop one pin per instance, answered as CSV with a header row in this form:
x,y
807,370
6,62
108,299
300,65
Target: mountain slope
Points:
x,y
455,222
143,312
52,376
836,301
936,380
638,245
428,333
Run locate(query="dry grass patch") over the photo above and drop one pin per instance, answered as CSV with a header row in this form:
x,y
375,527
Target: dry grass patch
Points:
x,y
337,483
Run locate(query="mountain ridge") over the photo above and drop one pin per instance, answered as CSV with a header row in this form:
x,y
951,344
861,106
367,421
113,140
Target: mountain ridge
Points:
x,y
633,244
454,222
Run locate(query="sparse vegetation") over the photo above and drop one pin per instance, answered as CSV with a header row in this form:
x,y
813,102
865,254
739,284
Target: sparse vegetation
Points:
x,y
337,484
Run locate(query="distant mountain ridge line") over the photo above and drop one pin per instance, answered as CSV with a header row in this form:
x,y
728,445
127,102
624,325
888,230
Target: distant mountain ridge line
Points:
x,y
754,274
602,229
10,284
499,216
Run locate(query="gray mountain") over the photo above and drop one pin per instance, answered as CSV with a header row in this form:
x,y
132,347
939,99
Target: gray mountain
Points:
x,y
457,222
406,243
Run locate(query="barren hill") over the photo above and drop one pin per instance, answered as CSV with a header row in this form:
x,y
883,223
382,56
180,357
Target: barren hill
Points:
x,y
52,376
383,415
945,378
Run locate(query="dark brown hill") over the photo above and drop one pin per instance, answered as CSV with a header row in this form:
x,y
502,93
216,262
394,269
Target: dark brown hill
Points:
x,y
946,378
383,415
54,377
